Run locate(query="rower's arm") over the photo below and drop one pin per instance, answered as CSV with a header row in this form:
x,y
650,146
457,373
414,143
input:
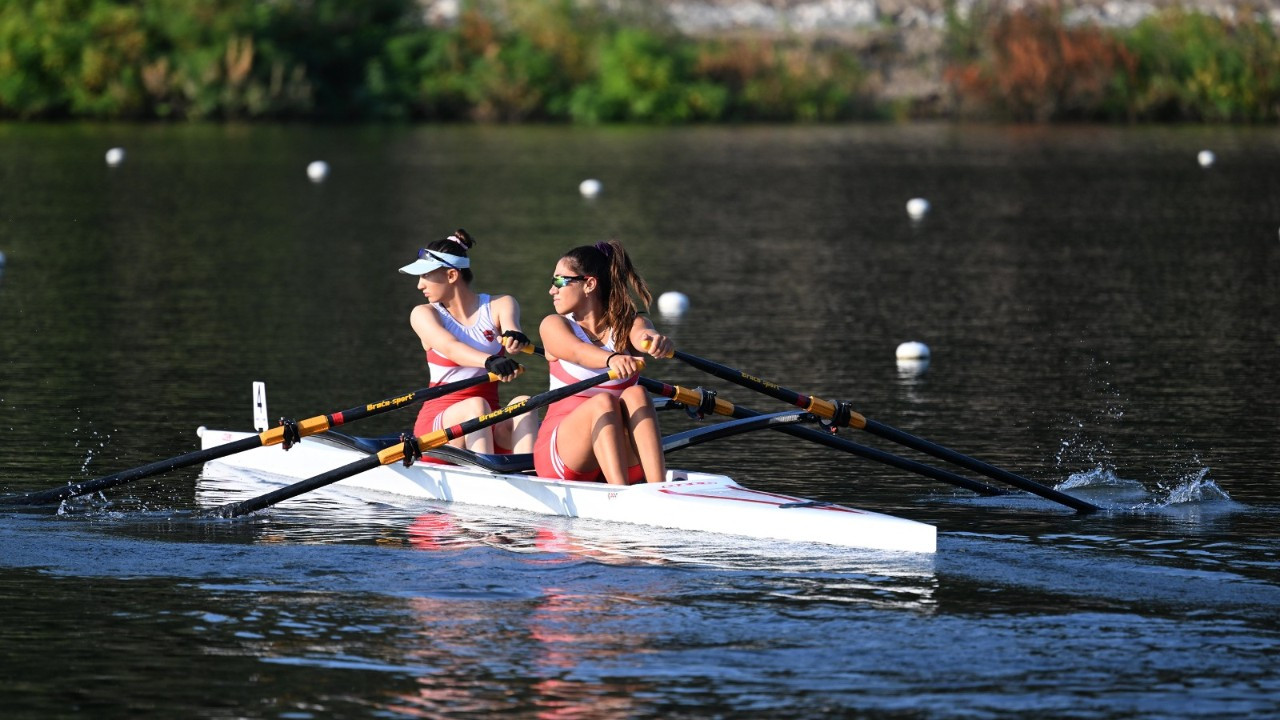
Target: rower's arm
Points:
x,y
645,337
434,335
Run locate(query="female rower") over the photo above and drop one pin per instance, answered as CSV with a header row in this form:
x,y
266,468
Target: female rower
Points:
x,y
466,334
610,430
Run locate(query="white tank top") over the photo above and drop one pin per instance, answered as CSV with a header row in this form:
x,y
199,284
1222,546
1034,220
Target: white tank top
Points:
x,y
564,372
482,335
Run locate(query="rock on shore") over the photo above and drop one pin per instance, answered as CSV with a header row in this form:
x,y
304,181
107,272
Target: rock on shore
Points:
x,y
827,16
809,17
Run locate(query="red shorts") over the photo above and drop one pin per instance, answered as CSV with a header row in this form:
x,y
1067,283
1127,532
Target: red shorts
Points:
x,y
546,460
430,416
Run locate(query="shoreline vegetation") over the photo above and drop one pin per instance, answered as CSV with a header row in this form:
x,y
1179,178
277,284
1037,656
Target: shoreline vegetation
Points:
x,y
585,62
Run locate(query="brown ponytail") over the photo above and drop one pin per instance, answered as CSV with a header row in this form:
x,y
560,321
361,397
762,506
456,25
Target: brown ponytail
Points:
x,y
617,278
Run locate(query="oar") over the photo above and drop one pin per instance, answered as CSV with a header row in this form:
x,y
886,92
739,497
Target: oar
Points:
x,y
699,400
842,415
411,447
274,436
722,407
694,398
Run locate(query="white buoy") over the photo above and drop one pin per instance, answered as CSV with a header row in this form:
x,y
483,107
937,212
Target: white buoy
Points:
x,y
913,351
318,171
589,187
917,208
1205,158
673,303
115,156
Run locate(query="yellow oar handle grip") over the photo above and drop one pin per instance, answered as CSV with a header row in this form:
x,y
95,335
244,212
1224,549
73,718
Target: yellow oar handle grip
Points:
x,y
494,377
310,426
827,409
694,398
613,374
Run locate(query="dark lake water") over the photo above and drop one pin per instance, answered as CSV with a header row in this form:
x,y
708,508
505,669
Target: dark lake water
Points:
x,y
1103,314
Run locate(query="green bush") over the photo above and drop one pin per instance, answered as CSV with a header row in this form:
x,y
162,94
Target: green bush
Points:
x,y
642,78
785,81
1198,67
547,60
62,57
569,61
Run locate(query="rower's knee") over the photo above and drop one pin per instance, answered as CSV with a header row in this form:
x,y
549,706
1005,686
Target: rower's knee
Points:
x,y
635,397
524,422
604,406
603,403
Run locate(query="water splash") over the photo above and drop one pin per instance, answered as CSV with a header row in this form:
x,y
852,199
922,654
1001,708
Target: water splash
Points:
x,y
1085,445
1103,485
1081,447
1190,490
1194,488
101,440
1100,476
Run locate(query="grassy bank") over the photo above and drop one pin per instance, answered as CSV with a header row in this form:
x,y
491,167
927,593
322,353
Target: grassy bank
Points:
x,y
557,61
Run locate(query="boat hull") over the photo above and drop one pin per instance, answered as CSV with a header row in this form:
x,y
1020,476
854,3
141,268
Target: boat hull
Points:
x,y
688,501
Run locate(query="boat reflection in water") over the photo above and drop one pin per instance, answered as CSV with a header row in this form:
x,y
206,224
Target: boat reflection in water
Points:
x,y
466,609
549,656
800,571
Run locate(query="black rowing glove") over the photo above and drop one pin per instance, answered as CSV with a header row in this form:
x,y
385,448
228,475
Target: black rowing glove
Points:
x,y
501,365
517,336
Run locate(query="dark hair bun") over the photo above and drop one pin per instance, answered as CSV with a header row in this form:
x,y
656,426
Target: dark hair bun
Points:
x,y
462,238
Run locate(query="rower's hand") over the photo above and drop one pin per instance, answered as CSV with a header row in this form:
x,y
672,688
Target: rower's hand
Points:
x,y
625,365
504,367
513,341
657,344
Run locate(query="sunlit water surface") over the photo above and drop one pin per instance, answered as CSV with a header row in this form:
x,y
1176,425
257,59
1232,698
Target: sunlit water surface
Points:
x,y
1103,319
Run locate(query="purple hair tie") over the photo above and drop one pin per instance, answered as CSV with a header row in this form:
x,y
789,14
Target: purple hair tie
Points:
x,y
605,248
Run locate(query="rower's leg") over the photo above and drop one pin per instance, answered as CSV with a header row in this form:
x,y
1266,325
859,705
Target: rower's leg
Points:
x,y
480,441
519,432
646,438
593,436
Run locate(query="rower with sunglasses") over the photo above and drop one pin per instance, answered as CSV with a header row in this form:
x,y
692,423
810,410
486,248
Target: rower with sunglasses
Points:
x,y
466,334
609,431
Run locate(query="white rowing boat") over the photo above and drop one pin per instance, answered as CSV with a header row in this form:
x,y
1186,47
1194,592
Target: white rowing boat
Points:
x,y
688,501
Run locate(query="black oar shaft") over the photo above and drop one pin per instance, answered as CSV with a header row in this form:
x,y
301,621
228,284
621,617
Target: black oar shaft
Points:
x,y
272,436
291,491
822,408
978,466
693,398
59,494
826,409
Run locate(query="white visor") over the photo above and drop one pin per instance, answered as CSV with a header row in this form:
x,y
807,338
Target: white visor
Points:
x,y
429,260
